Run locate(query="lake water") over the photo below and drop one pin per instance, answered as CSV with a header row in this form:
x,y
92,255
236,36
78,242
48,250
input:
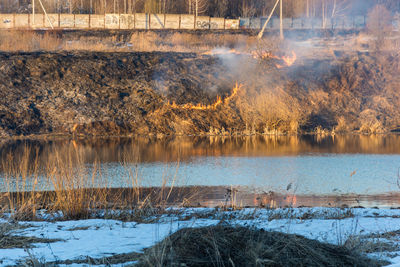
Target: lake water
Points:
x,y
317,167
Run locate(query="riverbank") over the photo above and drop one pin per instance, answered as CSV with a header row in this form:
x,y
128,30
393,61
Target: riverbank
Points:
x,y
220,93
372,232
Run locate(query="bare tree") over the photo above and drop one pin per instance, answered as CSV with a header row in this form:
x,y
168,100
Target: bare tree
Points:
x,y
332,9
248,9
379,24
198,7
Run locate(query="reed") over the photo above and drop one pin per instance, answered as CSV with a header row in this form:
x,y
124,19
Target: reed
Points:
x,y
69,187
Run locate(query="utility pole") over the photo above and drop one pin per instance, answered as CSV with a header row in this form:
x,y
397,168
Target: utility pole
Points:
x,y
45,13
33,12
197,7
281,20
260,34
308,8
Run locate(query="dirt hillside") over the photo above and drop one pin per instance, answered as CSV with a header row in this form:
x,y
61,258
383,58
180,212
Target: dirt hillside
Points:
x,y
149,93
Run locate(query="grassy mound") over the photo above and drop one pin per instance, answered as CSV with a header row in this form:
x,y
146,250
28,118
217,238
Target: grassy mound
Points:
x,y
224,245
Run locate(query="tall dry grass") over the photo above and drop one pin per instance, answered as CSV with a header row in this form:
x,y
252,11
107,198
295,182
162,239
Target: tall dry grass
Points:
x,y
29,41
270,111
68,186
143,41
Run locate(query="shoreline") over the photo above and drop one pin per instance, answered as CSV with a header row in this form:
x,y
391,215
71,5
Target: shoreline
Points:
x,y
63,136
371,232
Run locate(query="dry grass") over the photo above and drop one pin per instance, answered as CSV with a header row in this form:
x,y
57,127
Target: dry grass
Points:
x,y
9,240
225,245
29,41
142,41
67,185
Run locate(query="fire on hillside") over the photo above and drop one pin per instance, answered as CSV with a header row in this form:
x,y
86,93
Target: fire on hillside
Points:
x,y
212,106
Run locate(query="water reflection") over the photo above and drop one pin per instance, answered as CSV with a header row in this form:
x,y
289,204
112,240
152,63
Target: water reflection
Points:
x,y
185,148
312,165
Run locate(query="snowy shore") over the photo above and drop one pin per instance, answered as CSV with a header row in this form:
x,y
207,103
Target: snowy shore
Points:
x,y
99,238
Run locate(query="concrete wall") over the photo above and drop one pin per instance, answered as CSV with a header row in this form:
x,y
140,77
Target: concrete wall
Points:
x,y
37,21
53,18
112,21
231,24
217,23
126,21
172,21
21,21
187,22
203,22
67,21
142,21
6,21
82,21
96,21
157,21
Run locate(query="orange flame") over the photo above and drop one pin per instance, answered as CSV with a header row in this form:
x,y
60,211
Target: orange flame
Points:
x,y
289,61
208,107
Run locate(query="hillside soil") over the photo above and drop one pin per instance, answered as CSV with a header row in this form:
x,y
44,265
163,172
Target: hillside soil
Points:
x,y
141,93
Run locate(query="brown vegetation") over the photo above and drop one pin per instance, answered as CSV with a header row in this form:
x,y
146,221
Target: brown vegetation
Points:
x,y
225,245
124,41
65,184
9,240
128,94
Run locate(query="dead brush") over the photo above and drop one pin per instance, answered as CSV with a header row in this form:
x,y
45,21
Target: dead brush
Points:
x,y
15,40
225,245
19,176
67,185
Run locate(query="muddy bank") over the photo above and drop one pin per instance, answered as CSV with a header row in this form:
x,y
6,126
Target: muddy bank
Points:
x,y
87,93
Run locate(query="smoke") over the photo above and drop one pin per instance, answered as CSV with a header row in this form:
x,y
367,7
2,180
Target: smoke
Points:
x,y
235,62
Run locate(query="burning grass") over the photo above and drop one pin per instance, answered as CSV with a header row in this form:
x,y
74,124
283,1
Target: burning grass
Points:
x,y
212,106
225,245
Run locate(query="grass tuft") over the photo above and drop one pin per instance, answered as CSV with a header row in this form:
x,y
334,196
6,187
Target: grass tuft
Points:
x,y
225,245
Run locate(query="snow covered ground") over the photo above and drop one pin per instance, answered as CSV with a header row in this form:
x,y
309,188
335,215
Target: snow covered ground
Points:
x,y
97,238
